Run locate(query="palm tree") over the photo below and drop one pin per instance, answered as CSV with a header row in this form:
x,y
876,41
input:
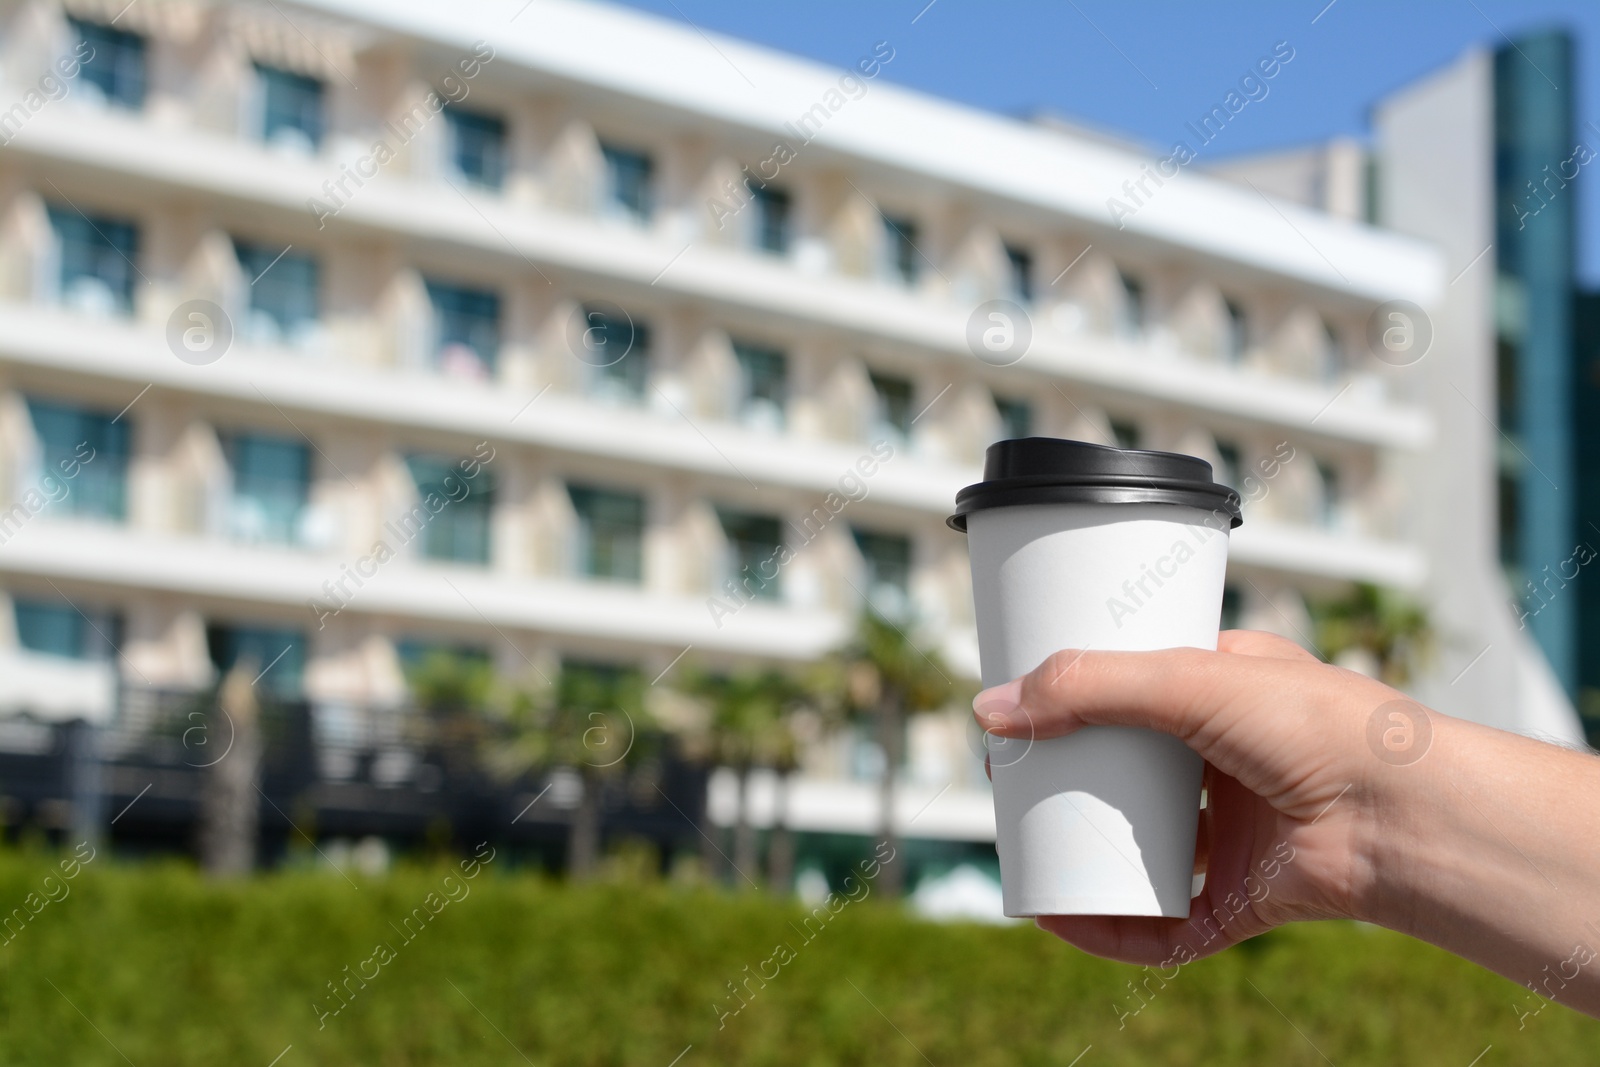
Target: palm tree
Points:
x,y
746,727
1390,627
592,720
882,676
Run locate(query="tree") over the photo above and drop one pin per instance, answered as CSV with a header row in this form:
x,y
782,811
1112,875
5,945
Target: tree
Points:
x,y
230,803
881,675
592,720
747,726
1393,629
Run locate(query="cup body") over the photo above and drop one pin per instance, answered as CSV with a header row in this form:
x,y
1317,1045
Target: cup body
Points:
x,y
1101,822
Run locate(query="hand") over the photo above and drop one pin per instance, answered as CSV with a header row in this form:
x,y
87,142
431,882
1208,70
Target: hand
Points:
x,y
1292,805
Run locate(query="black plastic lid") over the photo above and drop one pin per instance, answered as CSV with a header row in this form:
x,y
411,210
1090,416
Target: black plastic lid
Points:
x,y
1049,470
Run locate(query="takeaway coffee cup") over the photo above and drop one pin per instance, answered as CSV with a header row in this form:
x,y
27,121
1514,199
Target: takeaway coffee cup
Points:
x,y
1083,546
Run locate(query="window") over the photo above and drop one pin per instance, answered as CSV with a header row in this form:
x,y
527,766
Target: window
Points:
x,y
291,108
1124,433
754,542
1131,317
93,444
900,240
466,330
887,560
1232,607
284,293
97,261
1328,504
271,485
892,414
1016,418
116,67
772,211
610,533
459,529
629,176
764,386
56,628
1228,469
620,355
275,657
477,146
1332,352
1020,263
1237,339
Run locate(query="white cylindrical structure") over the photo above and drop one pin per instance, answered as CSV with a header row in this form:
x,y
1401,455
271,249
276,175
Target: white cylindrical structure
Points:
x,y
1103,821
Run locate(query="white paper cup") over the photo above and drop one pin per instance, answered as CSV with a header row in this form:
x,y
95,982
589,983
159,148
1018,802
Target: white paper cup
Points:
x,y
1101,822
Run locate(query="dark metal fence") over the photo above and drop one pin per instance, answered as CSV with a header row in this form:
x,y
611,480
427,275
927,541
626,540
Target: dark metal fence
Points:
x,y
350,771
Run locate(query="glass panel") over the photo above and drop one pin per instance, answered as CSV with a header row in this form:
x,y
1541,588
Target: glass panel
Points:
x,y
1228,469
116,66
284,292
276,656
629,176
618,378
1130,322
1124,434
1016,417
271,484
1021,279
459,529
54,629
900,235
610,533
467,330
478,146
89,442
772,219
764,395
291,107
893,415
888,572
97,260
1238,338
754,542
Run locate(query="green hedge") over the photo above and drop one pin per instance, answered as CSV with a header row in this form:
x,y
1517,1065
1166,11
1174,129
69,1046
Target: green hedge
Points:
x,y
151,965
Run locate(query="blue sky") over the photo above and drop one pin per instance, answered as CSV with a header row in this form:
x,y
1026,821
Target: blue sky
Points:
x,y
1143,69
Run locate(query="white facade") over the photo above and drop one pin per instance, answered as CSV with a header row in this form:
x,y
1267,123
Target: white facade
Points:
x,y
1215,323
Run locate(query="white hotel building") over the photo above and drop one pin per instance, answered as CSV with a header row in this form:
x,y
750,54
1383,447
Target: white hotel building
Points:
x,y
391,320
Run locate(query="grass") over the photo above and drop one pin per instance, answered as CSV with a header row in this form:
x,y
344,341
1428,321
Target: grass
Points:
x,y
152,965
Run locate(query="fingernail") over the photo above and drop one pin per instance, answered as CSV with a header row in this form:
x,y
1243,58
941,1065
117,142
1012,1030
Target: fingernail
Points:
x,y
997,706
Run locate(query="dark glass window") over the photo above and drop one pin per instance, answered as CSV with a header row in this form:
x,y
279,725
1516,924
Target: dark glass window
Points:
x,y
116,67
764,385
888,571
1238,335
618,350
1131,319
771,230
292,107
629,179
459,530
754,542
1228,470
277,657
1328,481
1232,607
97,260
466,324
56,628
610,533
893,403
1020,263
67,435
271,486
478,146
284,292
1124,434
900,235
1016,417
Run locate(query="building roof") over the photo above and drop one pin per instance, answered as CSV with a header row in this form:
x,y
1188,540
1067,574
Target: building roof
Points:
x,y
761,90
